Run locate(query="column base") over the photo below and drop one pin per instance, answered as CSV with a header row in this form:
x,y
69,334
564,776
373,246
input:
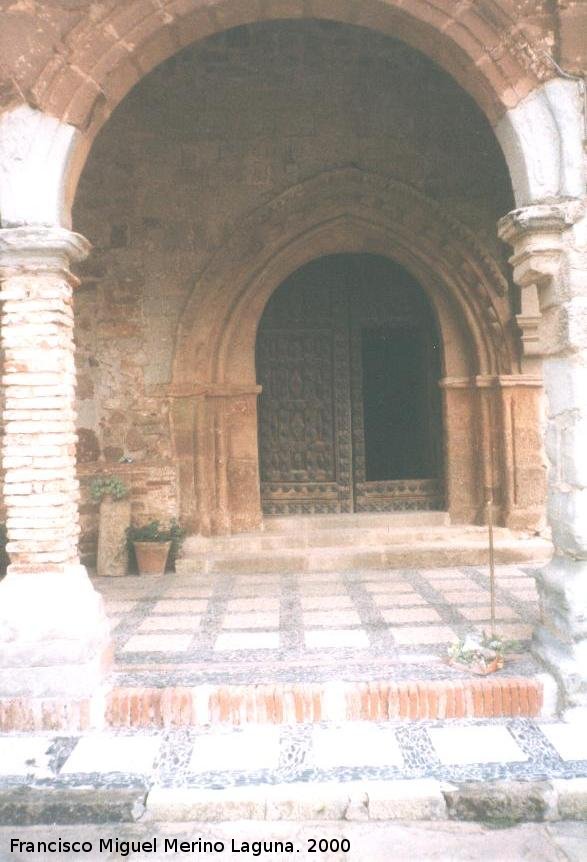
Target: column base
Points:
x,y
560,640
54,636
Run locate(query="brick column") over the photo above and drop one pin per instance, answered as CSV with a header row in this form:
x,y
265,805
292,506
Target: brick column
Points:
x,y
550,266
53,632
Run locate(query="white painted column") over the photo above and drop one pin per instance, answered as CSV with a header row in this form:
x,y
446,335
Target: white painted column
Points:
x,y
550,266
53,632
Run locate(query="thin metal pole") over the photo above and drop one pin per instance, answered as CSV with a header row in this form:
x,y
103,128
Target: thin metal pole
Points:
x,y
491,563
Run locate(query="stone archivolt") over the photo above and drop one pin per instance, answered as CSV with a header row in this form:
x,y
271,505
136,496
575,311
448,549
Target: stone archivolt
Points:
x,y
339,210
102,56
214,389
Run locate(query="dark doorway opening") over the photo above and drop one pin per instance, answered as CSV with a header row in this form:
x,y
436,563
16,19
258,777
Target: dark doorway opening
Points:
x,y
396,404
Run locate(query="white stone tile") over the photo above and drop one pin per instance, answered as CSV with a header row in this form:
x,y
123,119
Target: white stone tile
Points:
x,y
157,643
247,640
359,744
249,749
135,754
423,634
184,622
263,603
189,592
354,638
469,597
443,584
391,600
483,613
24,756
410,615
332,617
113,622
516,583
252,620
569,740
475,744
390,587
256,591
313,577
181,606
317,603
255,580
325,588
441,573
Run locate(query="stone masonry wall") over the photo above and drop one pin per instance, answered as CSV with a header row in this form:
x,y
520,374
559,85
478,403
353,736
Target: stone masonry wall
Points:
x,y
214,132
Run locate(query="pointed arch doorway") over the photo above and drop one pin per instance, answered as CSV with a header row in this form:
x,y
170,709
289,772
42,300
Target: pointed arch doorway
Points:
x,y
348,357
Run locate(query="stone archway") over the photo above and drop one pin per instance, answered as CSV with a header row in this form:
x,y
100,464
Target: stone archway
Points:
x,y
214,383
56,105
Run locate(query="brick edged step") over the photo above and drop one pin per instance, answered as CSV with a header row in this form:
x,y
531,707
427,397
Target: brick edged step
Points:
x,y
292,703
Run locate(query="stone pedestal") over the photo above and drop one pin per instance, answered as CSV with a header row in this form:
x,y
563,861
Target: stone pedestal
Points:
x,y
550,262
54,638
112,549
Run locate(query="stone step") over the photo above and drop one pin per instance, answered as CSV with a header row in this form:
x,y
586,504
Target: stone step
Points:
x,y
457,550
318,777
305,523
368,537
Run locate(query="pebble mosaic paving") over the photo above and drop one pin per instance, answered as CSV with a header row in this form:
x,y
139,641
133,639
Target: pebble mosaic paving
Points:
x,y
214,758
239,629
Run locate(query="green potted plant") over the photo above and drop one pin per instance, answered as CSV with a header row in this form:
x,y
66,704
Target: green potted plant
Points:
x,y
153,545
112,495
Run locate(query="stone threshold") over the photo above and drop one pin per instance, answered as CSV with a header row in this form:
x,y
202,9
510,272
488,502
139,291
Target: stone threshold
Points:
x,y
502,802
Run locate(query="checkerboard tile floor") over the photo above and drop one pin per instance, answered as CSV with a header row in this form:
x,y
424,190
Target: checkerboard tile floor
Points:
x,y
517,748
178,622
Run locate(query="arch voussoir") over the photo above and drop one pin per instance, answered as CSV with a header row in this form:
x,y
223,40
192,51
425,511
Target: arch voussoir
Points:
x,y
481,51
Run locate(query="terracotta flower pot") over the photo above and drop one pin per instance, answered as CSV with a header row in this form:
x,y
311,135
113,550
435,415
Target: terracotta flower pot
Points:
x,y
151,557
478,669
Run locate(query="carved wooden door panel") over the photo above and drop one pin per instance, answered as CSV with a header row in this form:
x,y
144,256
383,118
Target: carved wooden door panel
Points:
x,y
304,409
349,411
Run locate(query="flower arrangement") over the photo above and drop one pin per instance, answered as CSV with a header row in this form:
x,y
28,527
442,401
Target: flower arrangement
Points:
x,y
478,652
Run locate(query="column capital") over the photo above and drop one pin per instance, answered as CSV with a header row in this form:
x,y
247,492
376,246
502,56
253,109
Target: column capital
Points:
x,y
543,219
540,236
536,235
37,247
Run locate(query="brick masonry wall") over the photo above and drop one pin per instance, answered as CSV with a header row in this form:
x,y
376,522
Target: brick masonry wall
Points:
x,y
214,132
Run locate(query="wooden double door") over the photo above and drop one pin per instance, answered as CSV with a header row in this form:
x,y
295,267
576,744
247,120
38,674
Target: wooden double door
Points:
x,y
348,358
